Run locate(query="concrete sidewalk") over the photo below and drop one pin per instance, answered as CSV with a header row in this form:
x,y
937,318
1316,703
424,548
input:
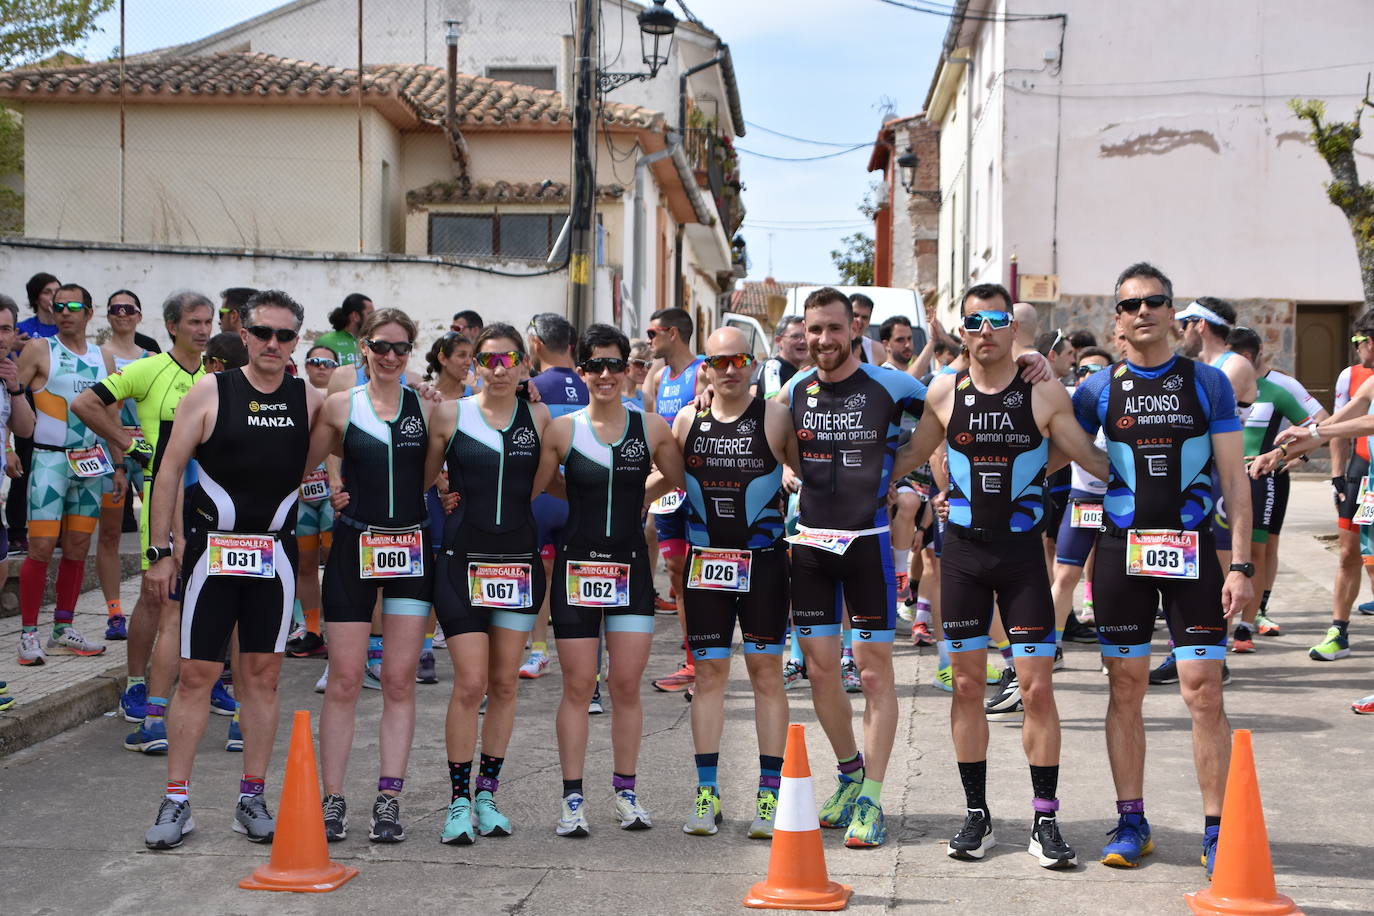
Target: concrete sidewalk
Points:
x,y
81,800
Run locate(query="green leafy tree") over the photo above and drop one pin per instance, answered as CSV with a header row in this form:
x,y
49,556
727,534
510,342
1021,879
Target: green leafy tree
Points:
x,y
1335,143
855,260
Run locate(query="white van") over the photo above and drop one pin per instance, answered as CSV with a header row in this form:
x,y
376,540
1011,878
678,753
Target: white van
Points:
x,y
887,301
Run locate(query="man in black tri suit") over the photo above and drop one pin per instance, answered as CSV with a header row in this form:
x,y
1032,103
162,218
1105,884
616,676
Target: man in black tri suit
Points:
x,y
239,566
997,428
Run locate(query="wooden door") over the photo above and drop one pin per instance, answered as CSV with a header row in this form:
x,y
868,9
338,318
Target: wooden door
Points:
x,y
1323,348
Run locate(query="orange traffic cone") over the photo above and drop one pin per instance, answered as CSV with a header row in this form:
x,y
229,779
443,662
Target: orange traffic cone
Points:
x,y
796,862
300,854
1243,879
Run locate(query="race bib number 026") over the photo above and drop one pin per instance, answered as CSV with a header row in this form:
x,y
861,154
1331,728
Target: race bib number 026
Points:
x,y
723,570
598,584
241,555
505,585
1162,554
1087,515
90,462
315,486
391,554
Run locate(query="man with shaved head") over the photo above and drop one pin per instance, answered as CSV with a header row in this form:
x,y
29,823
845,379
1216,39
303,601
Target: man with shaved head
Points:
x,y
736,568
1027,326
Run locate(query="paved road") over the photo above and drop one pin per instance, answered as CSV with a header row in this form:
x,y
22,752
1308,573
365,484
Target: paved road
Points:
x,y
76,806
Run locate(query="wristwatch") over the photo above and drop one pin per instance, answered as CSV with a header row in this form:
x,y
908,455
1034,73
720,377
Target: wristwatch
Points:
x,y
161,553
1247,568
1314,431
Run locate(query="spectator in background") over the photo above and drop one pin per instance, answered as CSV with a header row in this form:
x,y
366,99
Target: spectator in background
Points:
x,y
224,352
1056,348
945,352
1027,327
895,334
346,320
40,289
867,349
1082,340
468,323
640,361
233,308
789,355
41,323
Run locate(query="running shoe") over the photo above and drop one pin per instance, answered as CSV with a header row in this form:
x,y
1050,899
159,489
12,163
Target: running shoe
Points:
x,y
490,821
867,828
665,605
838,809
921,635
386,820
1086,615
4,688
6,701
67,641
323,682
765,810
944,679
133,702
678,680
994,674
706,816
1074,631
535,665
482,706
372,677
1130,841
573,819
1266,626
1366,608
116,628
233,742
335,818
307,645
253,820
594,706
793,673
630,812
903,589
458,825
1209,848
19,547
974,839
1328,650
171,826
690,693
1013,713
1049,847
1364,706
1225,674
906,611
149,738
1166,672
1242,640
439,641
222,703
1059,663
849,676
1008,692
425,672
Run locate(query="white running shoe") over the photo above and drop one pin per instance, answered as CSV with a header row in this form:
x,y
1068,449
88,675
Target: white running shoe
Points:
x,y
535,665
323,682
30,649
631,813
68,641
573,819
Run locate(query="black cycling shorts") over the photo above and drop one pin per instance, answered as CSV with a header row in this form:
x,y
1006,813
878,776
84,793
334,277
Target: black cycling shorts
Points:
x,y
489,580
823,583
761,611
212,605
617,588
349,598
1126,604
1355,470
1010,570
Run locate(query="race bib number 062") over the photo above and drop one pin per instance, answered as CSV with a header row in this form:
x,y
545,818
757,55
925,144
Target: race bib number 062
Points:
x,y
598,584
391,554
1162,554
722,570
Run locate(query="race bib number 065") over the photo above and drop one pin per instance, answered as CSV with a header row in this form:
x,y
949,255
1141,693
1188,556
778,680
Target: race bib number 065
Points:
x,y
503,585
723,570
391,555
241,555
1162,554
598,584
315,486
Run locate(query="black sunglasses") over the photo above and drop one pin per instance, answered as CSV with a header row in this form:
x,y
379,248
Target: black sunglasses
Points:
x,y
599,364
264,333
1131,306
322,362
383,347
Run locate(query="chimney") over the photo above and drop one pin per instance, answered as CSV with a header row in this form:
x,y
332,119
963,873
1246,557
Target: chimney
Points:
x,y
451,118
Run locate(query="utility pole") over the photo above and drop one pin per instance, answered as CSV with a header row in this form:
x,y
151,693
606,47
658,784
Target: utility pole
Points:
x,y
581,301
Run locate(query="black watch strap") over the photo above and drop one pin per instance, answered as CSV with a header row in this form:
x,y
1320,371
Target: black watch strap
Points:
x,y
1247,568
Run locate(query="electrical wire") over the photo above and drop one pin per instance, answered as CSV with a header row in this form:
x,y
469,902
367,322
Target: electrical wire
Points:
x,y
950,12
778,133
842,152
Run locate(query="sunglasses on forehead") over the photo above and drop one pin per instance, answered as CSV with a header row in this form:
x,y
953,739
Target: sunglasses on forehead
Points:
x,y
738,360
599,364
506,359
264,333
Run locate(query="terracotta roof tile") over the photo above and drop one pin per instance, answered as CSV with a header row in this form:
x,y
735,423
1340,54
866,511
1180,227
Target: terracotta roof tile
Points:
x,y
752,296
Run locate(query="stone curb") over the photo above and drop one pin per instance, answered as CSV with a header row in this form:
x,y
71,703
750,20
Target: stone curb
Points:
x,y
28,723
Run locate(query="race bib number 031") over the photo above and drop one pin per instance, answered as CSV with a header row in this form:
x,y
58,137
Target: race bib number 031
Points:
x,y
315,486
1162,554
391,554
598,584
1364,504
241,555
90,462
505,585
723,570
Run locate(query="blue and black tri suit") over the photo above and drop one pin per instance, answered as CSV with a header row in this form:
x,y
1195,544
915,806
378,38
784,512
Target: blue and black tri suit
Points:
x,y
1159,422
562,391
848,432
997,458
673,394
737,563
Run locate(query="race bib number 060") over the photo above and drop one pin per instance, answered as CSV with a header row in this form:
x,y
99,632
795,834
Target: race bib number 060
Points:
x,y
598,584
90,462
723,570
391,554
241,555
503,585
1162,554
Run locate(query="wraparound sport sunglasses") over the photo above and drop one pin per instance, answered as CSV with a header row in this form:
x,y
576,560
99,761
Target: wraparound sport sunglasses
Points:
x,y
598,364
264,333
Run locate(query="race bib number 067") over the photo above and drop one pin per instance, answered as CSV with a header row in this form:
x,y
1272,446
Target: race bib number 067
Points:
x,y
1162,554
501,585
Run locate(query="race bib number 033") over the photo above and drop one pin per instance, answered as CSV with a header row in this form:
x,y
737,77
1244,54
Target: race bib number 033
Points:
x,y
241,555
723,570
1087,515
505,585
90,462
1162,554
315,486
598,584
391,554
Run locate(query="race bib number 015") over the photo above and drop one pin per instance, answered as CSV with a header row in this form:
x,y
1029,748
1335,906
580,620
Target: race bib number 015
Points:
x,y
723,570
90,462
1162,554
505,585
391,554
1364,504
315,486
598,584
1087,515
241,555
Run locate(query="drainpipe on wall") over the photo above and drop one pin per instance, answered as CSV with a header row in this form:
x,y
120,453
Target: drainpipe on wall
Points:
x,y
638,243
457,146
968,163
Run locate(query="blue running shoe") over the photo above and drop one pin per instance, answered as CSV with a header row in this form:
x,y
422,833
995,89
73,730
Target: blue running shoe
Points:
x,y
1130,841
1209,848
6,701
133,702
1367,607
150,738
222,703
4,687
234,742
116,627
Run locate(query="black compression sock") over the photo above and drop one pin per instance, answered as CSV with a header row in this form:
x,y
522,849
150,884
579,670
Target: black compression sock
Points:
x,y
975,778
572,787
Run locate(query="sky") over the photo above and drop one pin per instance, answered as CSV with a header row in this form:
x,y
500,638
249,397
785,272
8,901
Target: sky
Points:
x,y
824,70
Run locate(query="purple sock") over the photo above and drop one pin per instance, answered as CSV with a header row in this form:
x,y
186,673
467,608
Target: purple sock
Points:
x,y
390,784
1130,806
621,782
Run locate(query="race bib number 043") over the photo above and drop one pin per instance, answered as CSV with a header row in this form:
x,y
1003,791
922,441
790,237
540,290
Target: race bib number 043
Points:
x,y
315,486
391,554
723,570
1162,554
241,555
1087,515
90,462
667,503
598,584
504,585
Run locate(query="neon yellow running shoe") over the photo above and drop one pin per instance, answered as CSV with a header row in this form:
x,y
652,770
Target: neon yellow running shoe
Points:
x,y
706,815
994,674
944,679
867,828
766,809
839,807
